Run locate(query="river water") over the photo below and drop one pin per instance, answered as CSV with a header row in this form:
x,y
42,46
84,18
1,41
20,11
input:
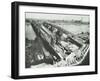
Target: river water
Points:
x,y
74,28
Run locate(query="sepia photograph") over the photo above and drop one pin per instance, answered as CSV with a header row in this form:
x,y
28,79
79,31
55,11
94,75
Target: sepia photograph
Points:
x,y
56,40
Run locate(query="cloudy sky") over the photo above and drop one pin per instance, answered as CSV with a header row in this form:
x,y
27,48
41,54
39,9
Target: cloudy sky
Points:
x,y
57,16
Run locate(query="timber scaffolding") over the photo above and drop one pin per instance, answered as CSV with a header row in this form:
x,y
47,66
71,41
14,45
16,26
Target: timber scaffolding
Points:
x,y
72,36
37,27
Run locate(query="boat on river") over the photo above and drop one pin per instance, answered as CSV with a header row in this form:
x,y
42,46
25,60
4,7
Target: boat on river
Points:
x,y
65,48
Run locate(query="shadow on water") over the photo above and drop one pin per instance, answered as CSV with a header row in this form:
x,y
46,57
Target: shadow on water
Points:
x,y
86,60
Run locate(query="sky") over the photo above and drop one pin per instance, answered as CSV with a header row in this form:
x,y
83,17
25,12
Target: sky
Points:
x,y
49,16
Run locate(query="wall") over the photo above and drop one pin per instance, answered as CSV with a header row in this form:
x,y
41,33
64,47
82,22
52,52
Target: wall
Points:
x,y
5,40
